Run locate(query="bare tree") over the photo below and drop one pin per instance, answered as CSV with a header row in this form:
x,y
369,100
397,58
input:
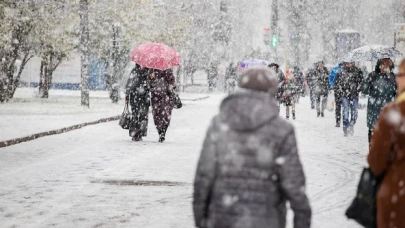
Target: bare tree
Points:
x,y
84,49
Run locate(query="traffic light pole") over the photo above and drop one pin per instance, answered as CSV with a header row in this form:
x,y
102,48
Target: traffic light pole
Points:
x,y
274,28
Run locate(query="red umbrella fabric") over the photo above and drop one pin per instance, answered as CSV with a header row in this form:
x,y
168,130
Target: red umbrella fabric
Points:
x,y
156,56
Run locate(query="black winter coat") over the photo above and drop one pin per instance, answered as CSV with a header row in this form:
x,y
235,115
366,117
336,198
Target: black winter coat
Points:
x,y
281,82
321,81
381,89
348,82
137,88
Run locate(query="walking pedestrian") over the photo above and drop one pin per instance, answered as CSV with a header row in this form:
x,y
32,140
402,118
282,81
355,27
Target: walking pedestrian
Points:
x,y
311,81
231,78
386,159
281,81
381,87
290,93
321,76
348,85
337,94
249,165
162,85
299,77
137,95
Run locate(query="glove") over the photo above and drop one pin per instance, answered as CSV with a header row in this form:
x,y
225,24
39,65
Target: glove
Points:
x,y
126,99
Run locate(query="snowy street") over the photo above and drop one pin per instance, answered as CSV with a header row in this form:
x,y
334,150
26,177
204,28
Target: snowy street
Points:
x,y
98,177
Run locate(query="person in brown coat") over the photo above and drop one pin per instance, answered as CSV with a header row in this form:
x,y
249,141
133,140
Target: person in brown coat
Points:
x,y
162,84
387,158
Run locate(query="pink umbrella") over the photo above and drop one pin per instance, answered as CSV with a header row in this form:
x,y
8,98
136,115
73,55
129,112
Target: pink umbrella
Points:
x,y
156,56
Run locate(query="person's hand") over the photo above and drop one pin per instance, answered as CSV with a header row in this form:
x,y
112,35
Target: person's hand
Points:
x,y
126,99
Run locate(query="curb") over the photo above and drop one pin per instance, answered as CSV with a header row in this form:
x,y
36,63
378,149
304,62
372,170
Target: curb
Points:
x,y
55,132
196,99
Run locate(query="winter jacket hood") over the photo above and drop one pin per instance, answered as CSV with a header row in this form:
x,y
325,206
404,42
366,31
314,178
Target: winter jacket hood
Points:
x,y
247,110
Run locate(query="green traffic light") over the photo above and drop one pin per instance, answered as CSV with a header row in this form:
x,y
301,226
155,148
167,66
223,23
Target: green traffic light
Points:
x,y
274,41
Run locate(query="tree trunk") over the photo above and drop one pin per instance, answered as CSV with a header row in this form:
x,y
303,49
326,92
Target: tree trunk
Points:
x,y
24,62
84,49
44,79
114,93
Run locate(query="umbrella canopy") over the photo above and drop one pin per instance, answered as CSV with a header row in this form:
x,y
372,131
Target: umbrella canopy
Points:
x,y
156,56
253,63
370,53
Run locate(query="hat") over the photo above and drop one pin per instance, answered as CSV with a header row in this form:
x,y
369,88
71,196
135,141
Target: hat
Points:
x,y
259,79
274,65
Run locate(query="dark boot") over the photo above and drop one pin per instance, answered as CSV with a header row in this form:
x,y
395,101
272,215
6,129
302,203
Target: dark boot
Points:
x,y
293,116
318,114
288,117
162,134
322,114
337,123
136,139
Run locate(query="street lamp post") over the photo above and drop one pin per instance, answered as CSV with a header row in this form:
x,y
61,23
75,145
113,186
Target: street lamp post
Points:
x,y
274,28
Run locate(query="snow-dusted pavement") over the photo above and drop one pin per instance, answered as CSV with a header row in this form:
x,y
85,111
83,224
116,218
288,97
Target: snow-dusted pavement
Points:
x,y
72,180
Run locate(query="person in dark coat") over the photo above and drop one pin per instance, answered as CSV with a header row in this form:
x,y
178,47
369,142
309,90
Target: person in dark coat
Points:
x,y
381,87
162,85
137,95
249,165
231,77
321,77
386,158
281,81
348,85
311,81
299,77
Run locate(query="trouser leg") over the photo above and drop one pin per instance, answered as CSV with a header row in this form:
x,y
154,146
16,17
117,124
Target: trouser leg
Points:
x,y
345,104
354,111
324,102
318,103
338,109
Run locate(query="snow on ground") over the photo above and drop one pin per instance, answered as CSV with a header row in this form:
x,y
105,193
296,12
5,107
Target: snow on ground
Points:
x,y
62,180
26,114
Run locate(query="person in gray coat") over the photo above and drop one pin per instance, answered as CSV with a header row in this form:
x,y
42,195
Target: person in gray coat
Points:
x,y
249,165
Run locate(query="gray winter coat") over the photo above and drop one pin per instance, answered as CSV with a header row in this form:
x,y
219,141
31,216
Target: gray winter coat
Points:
x,y
249,167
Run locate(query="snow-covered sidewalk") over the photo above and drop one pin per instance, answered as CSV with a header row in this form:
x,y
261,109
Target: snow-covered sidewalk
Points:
x,y
27,115
72,180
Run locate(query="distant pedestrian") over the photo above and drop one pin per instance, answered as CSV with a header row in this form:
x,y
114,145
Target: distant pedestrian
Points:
x,y
337,94
348,85
381,87
249,165
281,81
386,159
231,78
137,95
162,85
311,81
299,77
290,93
321,76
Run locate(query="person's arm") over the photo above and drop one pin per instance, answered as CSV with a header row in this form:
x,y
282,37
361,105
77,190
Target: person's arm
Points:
x,y
360,80
332,77
381,143
338,83
366,85
292,180
129,85
204,178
